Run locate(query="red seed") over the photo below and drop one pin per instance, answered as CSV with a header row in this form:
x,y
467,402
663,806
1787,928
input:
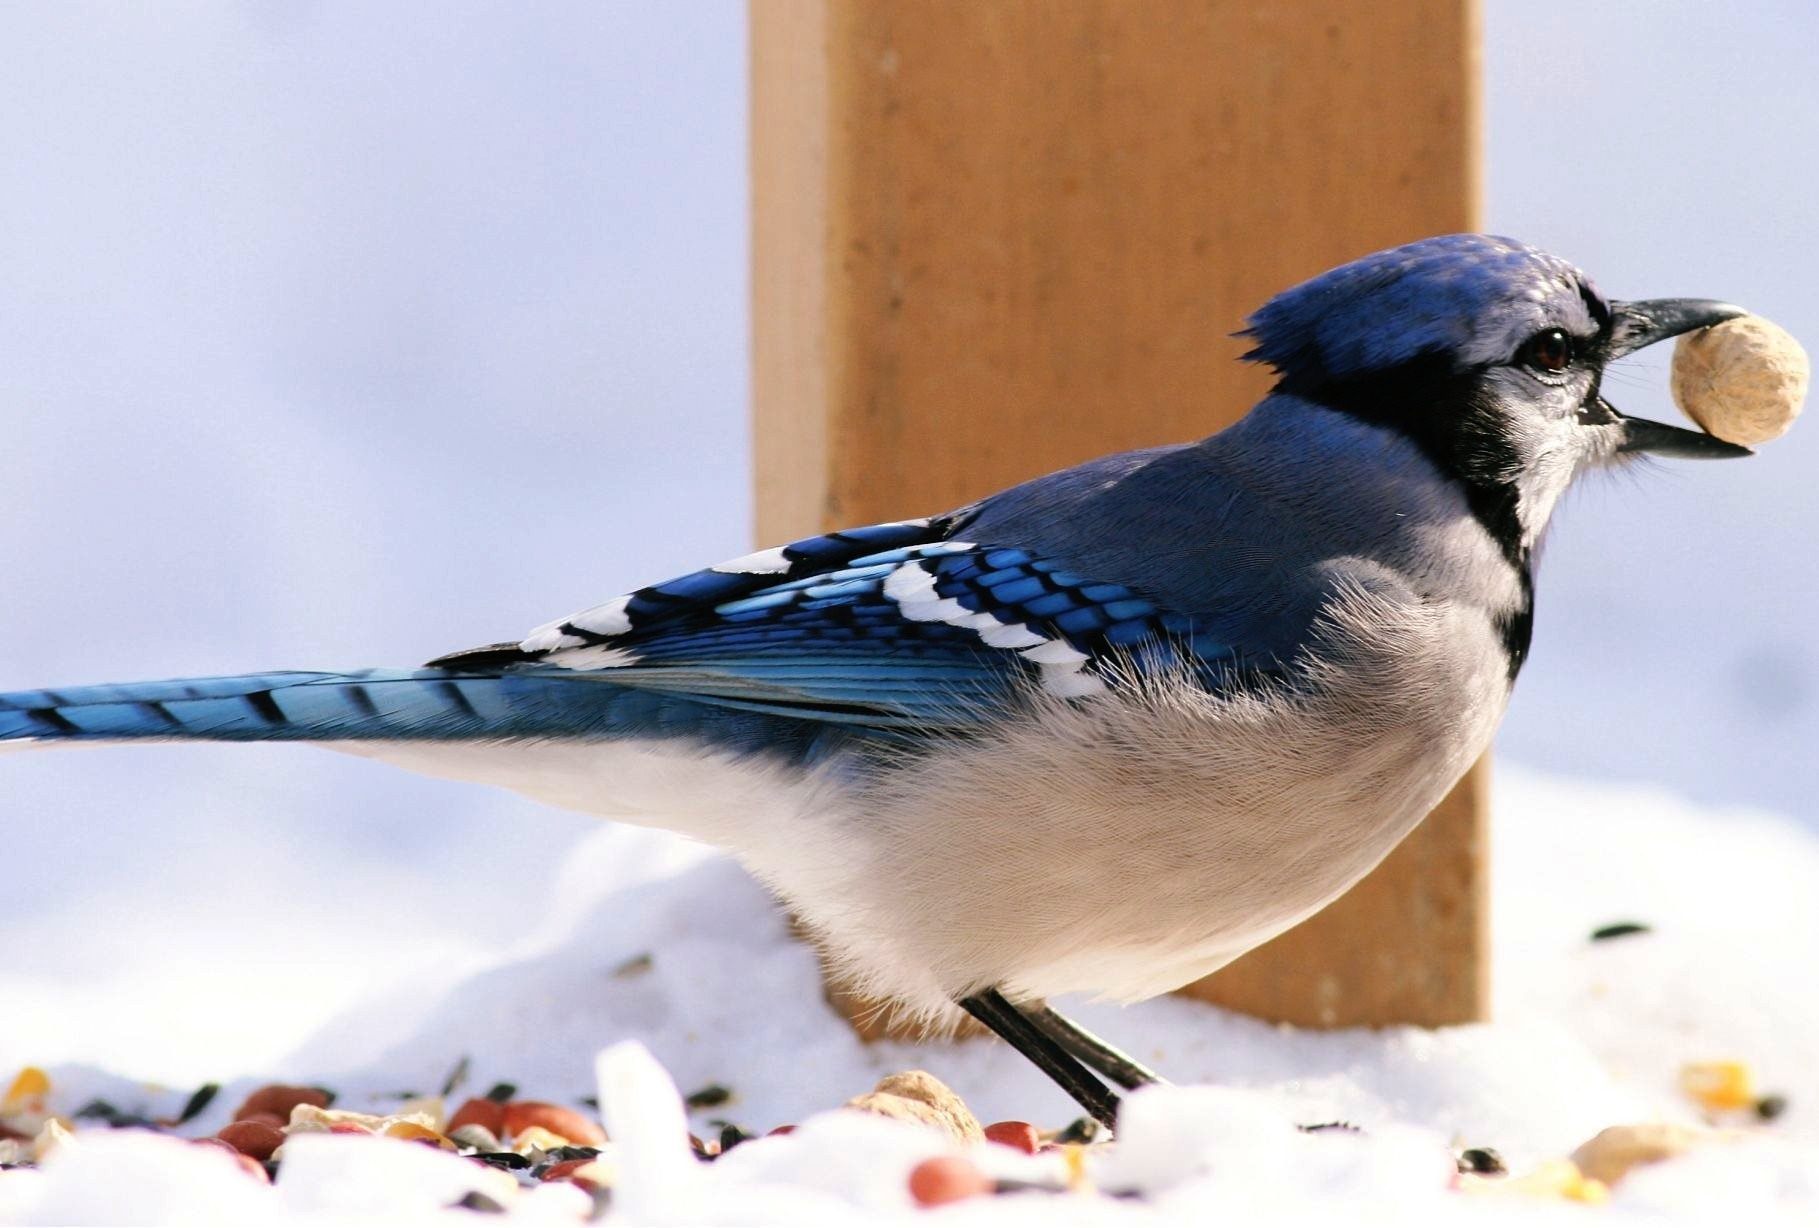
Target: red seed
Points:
x,y
257,1139
1018,1134
489,1114
521,1115
347,1127
279,1099
248,1165
566,1170
945,1179
781,1130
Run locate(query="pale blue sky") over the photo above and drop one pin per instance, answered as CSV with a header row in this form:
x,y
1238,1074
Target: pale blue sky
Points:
x,y
332,336
1667,148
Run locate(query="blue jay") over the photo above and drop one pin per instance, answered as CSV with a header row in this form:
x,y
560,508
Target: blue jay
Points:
x,y
1101,732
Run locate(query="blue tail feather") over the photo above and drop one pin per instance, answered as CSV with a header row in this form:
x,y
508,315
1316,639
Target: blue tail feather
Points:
x,y
440,704
302,706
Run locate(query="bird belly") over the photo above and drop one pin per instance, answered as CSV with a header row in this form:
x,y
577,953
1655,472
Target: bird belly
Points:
x,y
1128,845
1121,845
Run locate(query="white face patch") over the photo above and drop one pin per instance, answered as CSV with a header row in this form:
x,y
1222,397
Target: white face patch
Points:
x,y
758,563
1551,445
912,587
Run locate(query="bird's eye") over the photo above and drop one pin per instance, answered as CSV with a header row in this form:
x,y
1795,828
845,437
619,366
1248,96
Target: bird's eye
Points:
x,y
1551,350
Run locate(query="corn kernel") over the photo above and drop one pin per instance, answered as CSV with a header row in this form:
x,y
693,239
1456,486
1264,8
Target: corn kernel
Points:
x,y
31,1085
1719,1085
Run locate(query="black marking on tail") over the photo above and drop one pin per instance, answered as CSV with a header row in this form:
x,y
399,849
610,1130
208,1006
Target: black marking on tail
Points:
x,y
156,708
267,708
358,696
451,691
55,719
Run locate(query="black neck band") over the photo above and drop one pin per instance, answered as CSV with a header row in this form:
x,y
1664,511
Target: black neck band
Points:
x,y
1447,415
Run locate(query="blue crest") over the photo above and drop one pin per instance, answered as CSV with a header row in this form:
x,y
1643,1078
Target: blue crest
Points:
x,y
1392,307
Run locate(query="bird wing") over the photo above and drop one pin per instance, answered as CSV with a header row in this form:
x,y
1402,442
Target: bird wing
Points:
x,y
894,625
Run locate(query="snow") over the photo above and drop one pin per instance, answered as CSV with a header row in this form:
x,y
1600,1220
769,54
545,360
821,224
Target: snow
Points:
x,y
658,965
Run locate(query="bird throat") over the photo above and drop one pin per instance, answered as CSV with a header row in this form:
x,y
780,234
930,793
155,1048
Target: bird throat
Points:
x,y
1458,427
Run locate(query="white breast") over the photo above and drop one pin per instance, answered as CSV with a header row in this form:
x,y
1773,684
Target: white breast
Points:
x,y
1127,845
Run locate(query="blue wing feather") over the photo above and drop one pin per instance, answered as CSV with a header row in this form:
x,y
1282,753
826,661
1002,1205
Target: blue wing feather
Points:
x,y
814,630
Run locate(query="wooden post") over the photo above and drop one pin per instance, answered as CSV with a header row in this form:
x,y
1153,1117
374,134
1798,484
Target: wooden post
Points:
x,y
996,237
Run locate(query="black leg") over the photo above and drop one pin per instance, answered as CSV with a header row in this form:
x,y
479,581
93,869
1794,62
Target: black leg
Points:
x,y
1115,1064
992,1009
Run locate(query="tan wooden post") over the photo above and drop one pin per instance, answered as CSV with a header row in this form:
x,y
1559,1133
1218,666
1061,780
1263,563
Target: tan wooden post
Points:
x,y
995,237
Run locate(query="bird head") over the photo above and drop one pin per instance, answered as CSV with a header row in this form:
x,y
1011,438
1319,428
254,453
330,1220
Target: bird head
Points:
x,y
1486,353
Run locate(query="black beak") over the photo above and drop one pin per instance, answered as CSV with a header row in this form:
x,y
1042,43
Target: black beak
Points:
x,y
1647,435
1634,325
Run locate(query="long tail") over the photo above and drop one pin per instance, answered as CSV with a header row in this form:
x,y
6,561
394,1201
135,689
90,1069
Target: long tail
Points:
x,y
428,704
